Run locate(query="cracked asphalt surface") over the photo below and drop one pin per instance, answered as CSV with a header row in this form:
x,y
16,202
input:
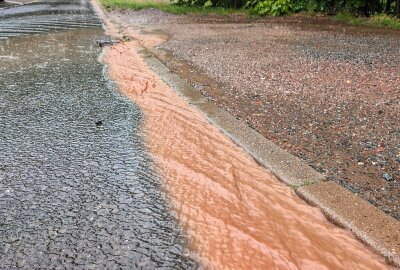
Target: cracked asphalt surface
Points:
x,y
77,188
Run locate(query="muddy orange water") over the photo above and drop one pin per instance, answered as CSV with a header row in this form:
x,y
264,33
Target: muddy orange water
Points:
x,y
236,214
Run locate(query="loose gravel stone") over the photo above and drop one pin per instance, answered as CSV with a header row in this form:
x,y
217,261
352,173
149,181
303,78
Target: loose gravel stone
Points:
x,y
387,177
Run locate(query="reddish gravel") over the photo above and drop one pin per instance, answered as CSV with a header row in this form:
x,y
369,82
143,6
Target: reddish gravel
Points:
x,y
326,92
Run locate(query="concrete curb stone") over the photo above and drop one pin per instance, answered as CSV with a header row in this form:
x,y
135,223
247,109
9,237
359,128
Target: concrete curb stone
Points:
x,y
369,224
290,169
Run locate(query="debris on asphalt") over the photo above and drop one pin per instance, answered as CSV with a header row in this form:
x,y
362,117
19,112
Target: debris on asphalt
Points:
x,y
105,42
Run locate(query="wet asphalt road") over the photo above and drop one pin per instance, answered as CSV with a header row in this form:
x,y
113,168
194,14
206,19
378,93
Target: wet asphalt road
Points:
x,y
77,189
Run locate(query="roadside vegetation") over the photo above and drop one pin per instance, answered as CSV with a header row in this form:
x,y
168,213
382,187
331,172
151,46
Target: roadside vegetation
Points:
x,y
376,20
380,13
167,6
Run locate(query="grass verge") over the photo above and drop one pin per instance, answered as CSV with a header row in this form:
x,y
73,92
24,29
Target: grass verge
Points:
x,y
379,20
166,6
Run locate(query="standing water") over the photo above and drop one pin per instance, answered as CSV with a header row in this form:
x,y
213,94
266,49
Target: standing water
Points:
x,y
77,188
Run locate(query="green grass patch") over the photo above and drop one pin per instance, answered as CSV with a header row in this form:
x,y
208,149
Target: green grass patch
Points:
x,y
348,18
167,7
378,20
384,20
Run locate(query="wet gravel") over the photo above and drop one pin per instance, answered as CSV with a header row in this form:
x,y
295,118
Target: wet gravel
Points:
x,y
327,92
77,188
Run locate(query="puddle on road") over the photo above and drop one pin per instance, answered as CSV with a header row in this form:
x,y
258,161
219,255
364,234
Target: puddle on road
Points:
x,y
237,215
77,188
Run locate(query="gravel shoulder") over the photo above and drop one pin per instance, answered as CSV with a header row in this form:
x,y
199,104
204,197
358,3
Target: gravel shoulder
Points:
x,y
326,92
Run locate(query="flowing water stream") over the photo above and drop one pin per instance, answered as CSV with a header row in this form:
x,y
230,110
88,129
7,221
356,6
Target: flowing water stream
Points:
x,y
237,214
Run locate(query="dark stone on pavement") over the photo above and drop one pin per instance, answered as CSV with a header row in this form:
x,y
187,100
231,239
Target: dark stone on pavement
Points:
x,y
387,177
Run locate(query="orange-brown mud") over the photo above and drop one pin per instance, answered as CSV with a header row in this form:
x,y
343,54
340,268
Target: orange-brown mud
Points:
x,y
236,214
